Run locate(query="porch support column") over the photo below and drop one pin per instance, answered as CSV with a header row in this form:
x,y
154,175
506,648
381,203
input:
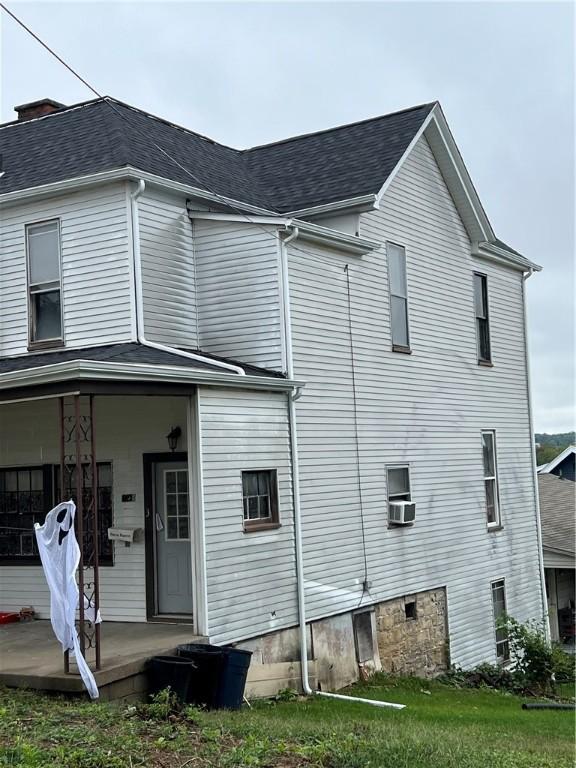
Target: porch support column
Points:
x,y
196,505
79,480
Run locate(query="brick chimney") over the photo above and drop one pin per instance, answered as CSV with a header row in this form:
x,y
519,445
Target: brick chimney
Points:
x,y
37,108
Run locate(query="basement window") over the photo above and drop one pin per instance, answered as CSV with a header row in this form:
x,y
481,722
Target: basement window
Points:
x,y
44,284
260,499
410,609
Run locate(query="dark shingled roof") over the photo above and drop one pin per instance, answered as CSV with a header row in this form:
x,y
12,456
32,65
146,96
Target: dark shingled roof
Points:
x,y
314,169
125,353
557,505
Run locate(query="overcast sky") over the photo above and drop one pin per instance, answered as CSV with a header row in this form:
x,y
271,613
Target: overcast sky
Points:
x,y
248,73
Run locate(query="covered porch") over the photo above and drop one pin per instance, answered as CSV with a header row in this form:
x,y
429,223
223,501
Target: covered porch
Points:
x,y
124,440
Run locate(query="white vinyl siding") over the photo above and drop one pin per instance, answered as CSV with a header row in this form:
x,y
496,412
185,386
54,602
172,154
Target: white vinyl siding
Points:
x,y
238,292
168,278
251,576
96,268
427,409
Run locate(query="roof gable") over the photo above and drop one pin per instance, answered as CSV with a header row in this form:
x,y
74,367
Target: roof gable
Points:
x,y
317,168
338,167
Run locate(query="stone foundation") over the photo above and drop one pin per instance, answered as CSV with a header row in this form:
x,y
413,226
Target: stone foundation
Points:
x,y
412,634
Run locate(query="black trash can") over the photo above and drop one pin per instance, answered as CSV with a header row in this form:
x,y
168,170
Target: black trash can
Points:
x,y
205,678
170,671
219,679
233,680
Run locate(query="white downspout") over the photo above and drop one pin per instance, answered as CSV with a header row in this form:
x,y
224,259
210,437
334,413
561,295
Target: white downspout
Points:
x,y
140,335
545,616
292,397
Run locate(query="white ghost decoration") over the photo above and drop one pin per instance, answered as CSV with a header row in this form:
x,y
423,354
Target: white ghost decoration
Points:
x,y
60,556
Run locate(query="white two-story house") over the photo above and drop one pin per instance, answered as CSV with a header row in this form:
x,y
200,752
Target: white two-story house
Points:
x,y
302,373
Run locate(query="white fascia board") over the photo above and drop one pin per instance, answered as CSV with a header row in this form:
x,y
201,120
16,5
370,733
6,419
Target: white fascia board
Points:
x,y
492,253
246,219
491,249
332,237
400,163
307,231
127,173
437,120
547,468
364,202
453,154
139,373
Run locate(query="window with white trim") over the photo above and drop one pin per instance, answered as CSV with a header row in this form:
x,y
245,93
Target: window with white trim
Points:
x,y
398,483
260,499
491,478
482,321
499,608
44,283
398,297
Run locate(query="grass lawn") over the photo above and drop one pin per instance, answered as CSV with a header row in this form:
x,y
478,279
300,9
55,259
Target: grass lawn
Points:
x,y
441,727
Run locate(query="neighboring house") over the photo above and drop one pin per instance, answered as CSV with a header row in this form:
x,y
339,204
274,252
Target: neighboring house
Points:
x,y
357,370
564,465
557,513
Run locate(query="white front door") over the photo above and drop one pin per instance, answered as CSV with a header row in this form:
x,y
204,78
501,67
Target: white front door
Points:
x,y
172,532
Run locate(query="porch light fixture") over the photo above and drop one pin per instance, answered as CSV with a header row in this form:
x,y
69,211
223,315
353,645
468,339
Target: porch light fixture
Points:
x,y
173,437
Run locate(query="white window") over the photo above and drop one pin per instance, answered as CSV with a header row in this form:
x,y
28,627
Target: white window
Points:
x,y
482,321
499,607
398,483
398,297
44,283
491,478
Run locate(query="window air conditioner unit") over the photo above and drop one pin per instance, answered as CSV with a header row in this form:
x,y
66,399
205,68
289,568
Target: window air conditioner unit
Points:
x,y
401,512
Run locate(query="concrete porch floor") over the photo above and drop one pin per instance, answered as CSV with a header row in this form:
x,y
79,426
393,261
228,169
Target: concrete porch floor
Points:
x,y
31,657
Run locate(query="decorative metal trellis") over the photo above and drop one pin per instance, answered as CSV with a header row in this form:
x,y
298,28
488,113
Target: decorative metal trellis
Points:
x,y
78,480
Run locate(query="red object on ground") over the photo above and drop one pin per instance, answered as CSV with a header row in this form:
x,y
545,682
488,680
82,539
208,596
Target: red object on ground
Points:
x,y
8,618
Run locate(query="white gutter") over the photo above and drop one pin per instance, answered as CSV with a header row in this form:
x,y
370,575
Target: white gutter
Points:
x,y
492,252
300,581
97,370
545,616
307,231
127,173
365,201
139,296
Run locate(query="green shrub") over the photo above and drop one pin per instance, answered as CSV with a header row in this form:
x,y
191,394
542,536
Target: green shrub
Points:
x,y
535,664
531,653
564,665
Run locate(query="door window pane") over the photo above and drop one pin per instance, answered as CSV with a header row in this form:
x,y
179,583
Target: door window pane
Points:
x,y
176,504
